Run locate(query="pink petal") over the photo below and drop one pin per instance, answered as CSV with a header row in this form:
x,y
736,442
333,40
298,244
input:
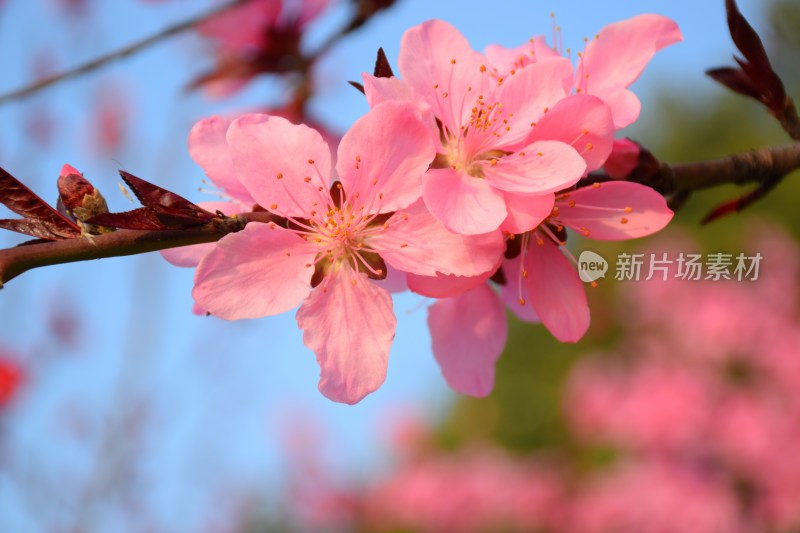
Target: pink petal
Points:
x,y
187,256
468,334
526,211
442,286
66,170
190,256
618,56
439,64
541,167
209,149
530,94
396,281
273,158
507,59
349,324
199,311
556,292
383,156
379,90
464,204
416,242
261,270
623,159
615,210
582,121
625,106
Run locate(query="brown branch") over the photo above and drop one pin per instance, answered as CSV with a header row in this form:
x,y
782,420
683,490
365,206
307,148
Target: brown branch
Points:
x,y
15,261
28,90
756,166
761,166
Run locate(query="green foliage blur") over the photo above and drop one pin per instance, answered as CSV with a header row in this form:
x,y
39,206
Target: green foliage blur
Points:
x,y
524,414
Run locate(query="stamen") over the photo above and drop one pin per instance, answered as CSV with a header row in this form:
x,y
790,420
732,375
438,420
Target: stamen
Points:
x,y
523,272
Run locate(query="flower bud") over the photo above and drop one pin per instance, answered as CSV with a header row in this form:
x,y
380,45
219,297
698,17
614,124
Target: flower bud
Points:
x,y
80,199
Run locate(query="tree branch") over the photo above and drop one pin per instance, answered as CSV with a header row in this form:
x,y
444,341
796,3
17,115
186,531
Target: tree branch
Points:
x,y
760,166
20,259
755,166
118,54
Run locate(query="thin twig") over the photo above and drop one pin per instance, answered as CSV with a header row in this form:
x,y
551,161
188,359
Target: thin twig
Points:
x,y
20,259
118,54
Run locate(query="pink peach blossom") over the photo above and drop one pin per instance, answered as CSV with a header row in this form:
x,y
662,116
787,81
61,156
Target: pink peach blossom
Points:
x,y
335,242
504,144
610,63
468,325
471,491
653,497
608,212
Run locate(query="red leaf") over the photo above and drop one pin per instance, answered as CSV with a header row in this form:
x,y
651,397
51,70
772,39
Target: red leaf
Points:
x,y
735,80
735,206
357,85
146,218
164,201
143,218
162,209
755,76
382,67
41,220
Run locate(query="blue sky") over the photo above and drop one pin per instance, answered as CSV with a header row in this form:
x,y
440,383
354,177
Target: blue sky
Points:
x,y
233,387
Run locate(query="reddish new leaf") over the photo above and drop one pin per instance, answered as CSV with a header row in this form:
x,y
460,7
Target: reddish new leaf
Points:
x,y
737,205
156,197
382,67
143,218
41,220
755,76
358,86
162,209
735,80
382,70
